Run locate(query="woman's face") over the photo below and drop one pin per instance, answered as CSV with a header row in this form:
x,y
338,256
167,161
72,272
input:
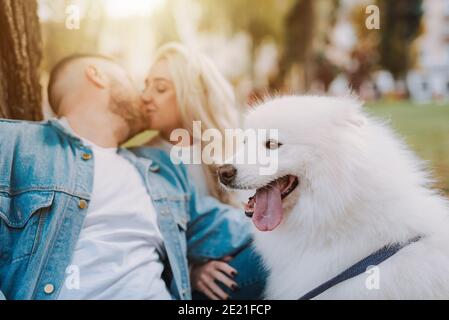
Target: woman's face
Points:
x,y
159,97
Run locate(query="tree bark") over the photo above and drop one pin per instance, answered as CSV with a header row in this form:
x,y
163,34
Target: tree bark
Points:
x,y
20,57
300,26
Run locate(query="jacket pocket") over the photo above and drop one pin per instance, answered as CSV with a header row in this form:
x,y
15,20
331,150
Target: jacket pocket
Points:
x,y
22,218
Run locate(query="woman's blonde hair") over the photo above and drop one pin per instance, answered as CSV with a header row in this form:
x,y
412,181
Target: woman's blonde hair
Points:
x,y
203,94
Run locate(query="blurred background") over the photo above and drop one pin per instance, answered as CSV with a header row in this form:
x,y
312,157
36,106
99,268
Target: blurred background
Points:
x,y
267,47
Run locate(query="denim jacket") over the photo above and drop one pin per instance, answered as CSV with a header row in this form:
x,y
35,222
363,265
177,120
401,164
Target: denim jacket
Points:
x,y
46,183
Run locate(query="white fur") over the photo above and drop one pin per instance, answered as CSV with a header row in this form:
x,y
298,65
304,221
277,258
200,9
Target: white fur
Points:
x,y
360,189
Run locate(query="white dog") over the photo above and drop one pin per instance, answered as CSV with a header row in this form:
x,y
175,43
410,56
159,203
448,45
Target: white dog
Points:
x,y
346,186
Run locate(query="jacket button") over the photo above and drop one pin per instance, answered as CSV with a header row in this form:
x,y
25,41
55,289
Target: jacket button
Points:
x,y
82,204
49,288
86,156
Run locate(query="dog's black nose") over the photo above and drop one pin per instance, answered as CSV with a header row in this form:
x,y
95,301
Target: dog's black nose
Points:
x,y
227,173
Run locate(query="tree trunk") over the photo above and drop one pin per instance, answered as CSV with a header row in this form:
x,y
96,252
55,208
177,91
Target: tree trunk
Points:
x,y
300,26
20,57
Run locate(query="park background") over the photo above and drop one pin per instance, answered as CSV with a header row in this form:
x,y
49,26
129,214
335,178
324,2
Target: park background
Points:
x,y
263,47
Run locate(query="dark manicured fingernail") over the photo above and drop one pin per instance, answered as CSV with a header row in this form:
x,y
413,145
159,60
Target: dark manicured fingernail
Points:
x,y
234,287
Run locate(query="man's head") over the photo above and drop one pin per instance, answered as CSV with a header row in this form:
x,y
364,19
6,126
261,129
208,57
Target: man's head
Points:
x,y
96,85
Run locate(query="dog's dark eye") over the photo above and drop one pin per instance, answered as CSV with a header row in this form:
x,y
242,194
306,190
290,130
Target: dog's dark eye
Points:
x,y
273,144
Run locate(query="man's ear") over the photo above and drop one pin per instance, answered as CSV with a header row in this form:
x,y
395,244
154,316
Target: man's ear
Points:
x,y
97,77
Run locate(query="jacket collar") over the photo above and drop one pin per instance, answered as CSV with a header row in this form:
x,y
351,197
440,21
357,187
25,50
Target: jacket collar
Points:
x,y
55,122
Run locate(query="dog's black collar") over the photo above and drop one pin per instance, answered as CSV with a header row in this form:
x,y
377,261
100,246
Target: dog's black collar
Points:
x,y
360,267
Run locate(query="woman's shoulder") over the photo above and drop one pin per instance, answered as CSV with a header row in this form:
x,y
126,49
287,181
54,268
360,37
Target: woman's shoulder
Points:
x,y
155,149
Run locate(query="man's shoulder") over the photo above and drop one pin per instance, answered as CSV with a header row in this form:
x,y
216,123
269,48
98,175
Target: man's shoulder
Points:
x,y
31,135
22,126
18,123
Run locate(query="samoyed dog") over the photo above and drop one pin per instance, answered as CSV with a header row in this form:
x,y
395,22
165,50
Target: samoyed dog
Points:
x,y
346,186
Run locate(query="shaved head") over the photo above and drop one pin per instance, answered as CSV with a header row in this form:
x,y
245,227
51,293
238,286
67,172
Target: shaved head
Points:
x,y
68,72
96,85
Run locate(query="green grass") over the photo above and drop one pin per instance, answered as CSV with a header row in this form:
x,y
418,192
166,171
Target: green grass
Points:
x,y
425,129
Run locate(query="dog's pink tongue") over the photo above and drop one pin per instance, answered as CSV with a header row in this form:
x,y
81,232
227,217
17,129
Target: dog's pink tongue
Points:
x,y
268,211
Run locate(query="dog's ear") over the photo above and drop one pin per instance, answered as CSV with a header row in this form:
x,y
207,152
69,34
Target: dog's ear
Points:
x,y
351,114
356,119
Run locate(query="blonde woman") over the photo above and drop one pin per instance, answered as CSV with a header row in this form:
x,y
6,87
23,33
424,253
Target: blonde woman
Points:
x,y
187,87
184,86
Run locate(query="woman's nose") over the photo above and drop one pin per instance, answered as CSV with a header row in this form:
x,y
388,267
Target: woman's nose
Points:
x,y
146,96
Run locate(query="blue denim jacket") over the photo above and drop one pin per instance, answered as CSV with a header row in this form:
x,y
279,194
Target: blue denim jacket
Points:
x,y
45,187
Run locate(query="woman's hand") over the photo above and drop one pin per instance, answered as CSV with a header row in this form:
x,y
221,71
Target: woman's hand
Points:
x,y
204,277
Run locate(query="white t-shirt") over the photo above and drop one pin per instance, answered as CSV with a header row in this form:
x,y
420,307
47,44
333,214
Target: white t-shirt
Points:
x,y
119,253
